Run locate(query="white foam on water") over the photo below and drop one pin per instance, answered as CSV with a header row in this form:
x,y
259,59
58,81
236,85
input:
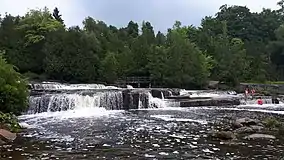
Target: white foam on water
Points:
x,y
196,95
59,86
156,102
69,114
129,87
186,92
169,118
261,106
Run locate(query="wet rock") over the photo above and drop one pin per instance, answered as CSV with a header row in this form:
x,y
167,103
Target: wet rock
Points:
x,y
223,135
247,121
257,128
237,125
157,93
189,156
133,98
260,136
244,130
7,135
2,142
126,99
210,102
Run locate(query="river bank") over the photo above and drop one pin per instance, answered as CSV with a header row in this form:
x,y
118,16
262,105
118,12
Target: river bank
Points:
x,y
9,127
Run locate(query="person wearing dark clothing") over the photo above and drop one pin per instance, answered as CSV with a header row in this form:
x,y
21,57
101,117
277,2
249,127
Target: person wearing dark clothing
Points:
x,y
274,99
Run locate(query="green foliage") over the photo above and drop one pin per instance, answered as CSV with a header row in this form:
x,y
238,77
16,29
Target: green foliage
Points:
x,y
234,46
9,121
109,68
13,89
272,123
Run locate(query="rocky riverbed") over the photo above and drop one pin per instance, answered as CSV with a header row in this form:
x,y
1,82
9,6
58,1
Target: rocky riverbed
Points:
x,y
169,133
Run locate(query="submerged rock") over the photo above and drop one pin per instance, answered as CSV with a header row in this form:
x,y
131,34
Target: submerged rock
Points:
x,y
247,121
260,136
244,130
237,125
7,135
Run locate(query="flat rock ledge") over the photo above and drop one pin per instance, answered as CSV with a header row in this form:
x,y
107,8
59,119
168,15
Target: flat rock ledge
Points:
x,y
7,136
260,136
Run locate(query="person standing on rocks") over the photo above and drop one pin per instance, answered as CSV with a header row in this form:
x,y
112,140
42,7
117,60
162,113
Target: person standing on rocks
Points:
x,y
274,99
252,92
259,101
246,93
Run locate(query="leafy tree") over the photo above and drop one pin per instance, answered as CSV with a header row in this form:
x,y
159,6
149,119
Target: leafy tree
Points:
x,y
109,68
233,46
78,63
187,64
57,16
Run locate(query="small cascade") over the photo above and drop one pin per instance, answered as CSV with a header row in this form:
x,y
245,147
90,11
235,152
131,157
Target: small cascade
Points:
x,y
143,101
162,95
156,102
63,102
59,86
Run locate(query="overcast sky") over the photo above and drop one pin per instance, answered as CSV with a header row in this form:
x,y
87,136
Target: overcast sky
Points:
x,y
161,13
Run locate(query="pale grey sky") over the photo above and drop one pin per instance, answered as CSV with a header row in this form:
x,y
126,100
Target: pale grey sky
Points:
x,y
161,13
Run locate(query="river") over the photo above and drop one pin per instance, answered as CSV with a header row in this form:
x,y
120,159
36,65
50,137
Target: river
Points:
x,y
166,132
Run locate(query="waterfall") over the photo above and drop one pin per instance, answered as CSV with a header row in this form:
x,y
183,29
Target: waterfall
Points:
x,y
62,102
56,97
162,94
156,102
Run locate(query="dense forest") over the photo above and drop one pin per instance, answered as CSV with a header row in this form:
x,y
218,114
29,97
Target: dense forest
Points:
x,y
235,45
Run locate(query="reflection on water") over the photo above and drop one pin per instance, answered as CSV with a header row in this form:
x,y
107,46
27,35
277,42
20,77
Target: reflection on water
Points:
x,y
169,133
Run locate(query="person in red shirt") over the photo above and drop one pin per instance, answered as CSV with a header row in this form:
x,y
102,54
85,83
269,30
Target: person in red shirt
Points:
x,y
259,101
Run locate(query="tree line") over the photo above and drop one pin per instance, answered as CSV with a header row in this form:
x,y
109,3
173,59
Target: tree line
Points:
x,y
235,45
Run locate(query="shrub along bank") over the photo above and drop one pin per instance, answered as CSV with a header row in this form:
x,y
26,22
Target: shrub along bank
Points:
x,y
13,96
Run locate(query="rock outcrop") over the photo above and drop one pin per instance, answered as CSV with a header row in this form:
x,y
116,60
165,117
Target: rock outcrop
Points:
x,y
247,128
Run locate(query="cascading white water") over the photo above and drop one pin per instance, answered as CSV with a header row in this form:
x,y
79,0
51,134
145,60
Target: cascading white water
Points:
x,y
56,97
162,94
59,86
63,102
156,102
